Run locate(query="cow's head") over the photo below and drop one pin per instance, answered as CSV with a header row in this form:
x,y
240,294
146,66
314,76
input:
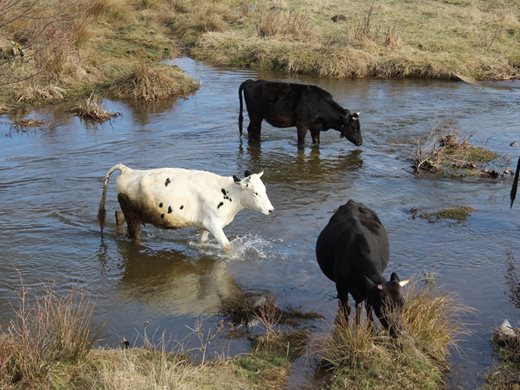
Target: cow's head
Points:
x,y
254,194
387,301
350,128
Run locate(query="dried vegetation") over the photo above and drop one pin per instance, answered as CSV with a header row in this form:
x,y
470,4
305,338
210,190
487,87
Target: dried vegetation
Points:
x,y
148,83
384,39
55,50
361,358
506,373
91,109
446,152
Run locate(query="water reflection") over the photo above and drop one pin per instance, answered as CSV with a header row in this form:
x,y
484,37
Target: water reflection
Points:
x,y
173,283
306,166
144,112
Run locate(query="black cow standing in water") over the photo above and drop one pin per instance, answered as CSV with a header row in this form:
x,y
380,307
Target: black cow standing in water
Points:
x,y
307,107
352,251
515,183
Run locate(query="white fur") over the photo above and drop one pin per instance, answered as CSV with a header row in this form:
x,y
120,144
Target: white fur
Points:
x,y
198,192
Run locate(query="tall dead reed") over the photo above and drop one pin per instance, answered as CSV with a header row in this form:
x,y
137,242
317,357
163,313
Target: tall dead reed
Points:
x,y
46,331
363,357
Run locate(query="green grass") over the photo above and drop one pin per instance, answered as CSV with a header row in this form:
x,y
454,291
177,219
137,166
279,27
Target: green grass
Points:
x,y
457,213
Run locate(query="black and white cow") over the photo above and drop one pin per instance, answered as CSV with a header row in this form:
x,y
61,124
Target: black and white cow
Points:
x,y
172,198
307,107
352,251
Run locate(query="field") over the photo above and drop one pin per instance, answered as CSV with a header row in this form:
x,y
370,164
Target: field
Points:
x,y
98,46
72,50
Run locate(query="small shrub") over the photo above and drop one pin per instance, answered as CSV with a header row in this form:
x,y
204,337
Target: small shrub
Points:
x,y
446,152
92,110
153,82
362,357
46,331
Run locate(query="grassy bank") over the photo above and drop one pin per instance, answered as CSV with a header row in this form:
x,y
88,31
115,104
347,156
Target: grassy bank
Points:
x,y
362,359
50,342
54,50
379,39
505,374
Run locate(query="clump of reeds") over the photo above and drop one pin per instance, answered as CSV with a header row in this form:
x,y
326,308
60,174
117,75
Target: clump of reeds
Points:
x,y
148,82
91,109
22,124
505,373
46,332
246,307
445,151
362,357
50,93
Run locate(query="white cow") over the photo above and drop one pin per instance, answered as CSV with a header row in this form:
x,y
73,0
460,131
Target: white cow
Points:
x,y
171,198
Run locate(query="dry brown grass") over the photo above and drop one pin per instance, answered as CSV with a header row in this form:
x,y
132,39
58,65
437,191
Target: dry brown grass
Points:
x,y
358,357
505,374
446,152
46,332
148,82
61,49
91,109
383,39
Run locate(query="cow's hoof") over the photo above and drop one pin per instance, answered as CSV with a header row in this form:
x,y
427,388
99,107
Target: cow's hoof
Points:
x,y
228,248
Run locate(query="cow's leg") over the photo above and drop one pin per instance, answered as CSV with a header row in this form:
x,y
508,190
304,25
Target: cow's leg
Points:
x,y
132,218
219,235
369,314
359,308
302,132
344,307
120,221
254,129
315,137
203,235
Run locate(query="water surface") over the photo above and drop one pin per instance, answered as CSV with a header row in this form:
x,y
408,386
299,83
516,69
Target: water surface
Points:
x,y
51,181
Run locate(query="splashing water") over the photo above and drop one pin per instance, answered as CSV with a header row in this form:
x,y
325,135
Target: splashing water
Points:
x,y
247,247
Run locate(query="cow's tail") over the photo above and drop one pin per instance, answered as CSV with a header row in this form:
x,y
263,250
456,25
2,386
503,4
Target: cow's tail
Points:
x,y
515,183
101,211
240,117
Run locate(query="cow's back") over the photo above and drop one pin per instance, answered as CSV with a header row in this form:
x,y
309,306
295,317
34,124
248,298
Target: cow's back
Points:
x,y
273,99
353,243
168,197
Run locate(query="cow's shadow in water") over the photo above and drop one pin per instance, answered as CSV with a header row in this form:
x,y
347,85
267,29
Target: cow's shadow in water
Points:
x,y
305,164
173,283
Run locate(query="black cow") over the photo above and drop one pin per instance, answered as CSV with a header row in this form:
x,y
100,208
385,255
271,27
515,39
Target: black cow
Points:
x,y
352,251
307,107
512,195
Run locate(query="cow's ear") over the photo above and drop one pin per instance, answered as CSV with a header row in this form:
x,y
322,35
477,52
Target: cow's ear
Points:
x,y
236,179
247,173
260,174
394,277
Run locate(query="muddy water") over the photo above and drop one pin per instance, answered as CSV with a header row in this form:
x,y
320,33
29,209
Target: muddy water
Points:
x,y
51,179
